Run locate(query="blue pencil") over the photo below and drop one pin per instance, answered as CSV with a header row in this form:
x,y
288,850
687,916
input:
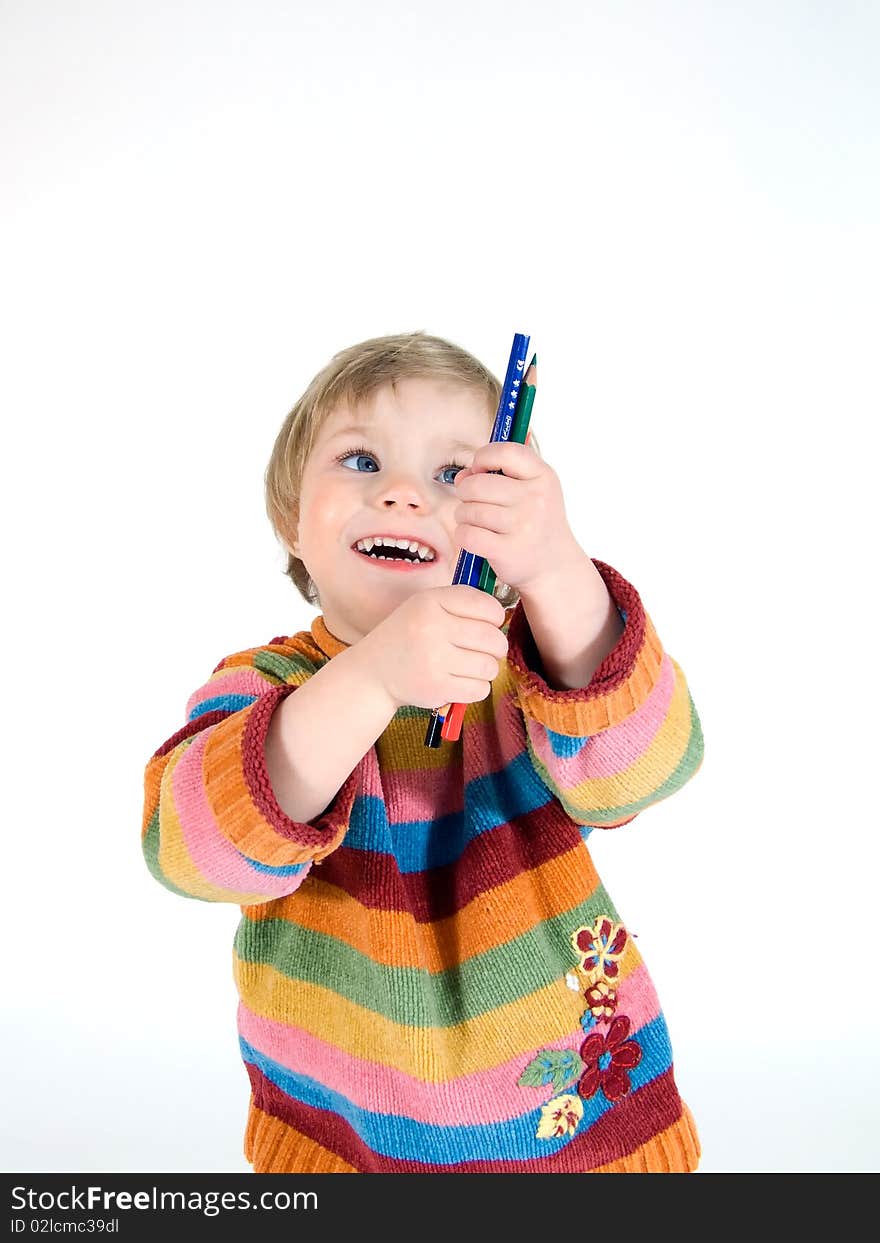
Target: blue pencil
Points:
x,y
470,565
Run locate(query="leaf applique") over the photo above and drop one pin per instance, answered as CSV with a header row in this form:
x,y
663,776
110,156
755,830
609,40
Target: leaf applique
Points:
x,y
559,1067
560,1117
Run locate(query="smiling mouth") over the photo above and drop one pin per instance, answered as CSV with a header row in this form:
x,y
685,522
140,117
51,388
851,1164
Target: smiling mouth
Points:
x,y
412,553
399,560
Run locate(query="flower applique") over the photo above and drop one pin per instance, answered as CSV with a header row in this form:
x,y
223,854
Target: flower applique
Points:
x,y
588,1020
604,1058
601,1000
599,947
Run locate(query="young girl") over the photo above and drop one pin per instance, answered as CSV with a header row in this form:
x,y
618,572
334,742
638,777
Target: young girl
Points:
x,y
432,976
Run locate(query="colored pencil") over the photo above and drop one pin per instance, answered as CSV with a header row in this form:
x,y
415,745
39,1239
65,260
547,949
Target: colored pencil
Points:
x,y
453,715
519,432
469,566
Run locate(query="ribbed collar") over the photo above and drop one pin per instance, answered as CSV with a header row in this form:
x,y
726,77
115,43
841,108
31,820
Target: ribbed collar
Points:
x,y
327,642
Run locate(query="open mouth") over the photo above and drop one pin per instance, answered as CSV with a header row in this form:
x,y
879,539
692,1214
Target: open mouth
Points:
x,y
387,551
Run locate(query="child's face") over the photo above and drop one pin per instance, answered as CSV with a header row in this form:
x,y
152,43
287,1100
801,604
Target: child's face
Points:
x,y
401,484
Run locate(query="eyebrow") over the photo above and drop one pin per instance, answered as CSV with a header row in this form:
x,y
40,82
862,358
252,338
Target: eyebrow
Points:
x,y
366,429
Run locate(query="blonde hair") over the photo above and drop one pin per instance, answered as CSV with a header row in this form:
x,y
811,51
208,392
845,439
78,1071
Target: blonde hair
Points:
x,y
350,377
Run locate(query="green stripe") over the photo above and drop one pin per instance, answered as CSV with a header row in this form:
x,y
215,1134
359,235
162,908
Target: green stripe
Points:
x,y
413,996
150,847
285,668
686,768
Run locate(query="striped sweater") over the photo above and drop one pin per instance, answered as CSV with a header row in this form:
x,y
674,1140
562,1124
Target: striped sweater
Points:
x,y
432,977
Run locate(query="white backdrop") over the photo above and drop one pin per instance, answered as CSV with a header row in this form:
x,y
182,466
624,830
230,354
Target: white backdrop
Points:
x,y
679,202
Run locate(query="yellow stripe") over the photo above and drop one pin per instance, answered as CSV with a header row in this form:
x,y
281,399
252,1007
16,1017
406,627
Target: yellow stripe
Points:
x,y
654,766
435,1054
397,939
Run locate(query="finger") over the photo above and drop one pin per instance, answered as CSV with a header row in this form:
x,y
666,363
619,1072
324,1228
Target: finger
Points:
x,y
483,637
474,662
468,691
471,634
518,461
493,489
464,600
483,543
497,518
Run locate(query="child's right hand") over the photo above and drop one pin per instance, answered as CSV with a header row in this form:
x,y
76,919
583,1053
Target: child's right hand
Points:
x,y
442,645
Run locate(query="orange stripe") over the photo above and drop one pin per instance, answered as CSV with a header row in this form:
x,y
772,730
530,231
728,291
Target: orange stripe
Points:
x,y
396,939
232,803
152,785
274,1147
580,718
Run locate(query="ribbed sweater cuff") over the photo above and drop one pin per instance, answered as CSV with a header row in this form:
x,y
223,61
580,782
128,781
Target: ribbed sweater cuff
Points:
x,y
238,786
620,684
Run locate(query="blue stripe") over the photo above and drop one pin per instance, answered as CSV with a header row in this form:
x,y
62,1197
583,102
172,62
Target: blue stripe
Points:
x,y
417,845
565,745
225,703
513,1139
291,869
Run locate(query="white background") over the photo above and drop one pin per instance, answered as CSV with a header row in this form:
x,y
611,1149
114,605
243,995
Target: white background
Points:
x,y
679,202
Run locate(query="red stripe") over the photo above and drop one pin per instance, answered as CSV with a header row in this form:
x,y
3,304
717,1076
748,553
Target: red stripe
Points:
x,y
621,1130
494,858
192,727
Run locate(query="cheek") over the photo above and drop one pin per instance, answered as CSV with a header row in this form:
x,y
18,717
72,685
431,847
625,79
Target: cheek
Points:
x,y
446,509
324,508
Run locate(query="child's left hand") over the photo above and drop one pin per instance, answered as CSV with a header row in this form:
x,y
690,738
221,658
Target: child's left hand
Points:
x,y
516,520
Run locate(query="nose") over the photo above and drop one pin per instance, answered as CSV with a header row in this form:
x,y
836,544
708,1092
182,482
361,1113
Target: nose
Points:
x,y
402,491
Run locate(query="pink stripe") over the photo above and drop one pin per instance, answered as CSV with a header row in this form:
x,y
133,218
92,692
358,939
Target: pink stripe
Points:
x,y
417,794
428,794
213,854
615,749
483,1096
236,681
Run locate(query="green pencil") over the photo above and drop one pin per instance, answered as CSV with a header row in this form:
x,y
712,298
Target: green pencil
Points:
x,y
518,432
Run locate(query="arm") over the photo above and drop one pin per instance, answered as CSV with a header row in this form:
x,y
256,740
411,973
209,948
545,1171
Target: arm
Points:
x,y
316,738
624,737
214,826
572,638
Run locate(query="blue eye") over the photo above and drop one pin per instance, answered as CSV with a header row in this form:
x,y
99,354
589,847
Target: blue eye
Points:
x,y
363,452
356,453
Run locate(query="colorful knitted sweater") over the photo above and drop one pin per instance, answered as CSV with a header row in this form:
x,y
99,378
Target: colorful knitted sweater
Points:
x,y
432,977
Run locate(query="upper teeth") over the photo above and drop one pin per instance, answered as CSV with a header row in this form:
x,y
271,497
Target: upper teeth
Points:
x,y
386,541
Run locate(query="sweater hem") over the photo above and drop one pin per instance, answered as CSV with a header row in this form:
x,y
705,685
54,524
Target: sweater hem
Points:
x,y
272,1146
